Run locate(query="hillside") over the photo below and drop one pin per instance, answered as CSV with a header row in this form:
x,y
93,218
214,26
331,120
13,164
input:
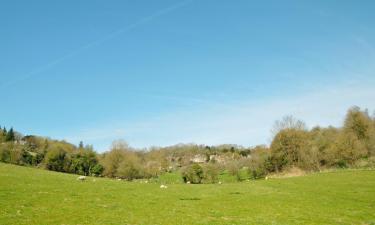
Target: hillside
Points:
x,y
32,196
294,145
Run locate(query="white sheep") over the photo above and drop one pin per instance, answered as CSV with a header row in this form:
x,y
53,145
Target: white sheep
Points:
x,y
81,178
163,186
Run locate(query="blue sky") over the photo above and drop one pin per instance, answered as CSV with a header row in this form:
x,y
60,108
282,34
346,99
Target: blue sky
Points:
x,y
166,72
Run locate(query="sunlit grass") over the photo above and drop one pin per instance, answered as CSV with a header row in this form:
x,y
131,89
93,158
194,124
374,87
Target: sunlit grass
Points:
x,y
32,196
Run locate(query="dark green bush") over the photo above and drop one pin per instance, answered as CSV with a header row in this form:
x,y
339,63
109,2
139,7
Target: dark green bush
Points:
x,y
193,173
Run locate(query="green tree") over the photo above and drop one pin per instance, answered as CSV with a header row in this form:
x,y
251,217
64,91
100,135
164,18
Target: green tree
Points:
x,y
322,142
260,162
97,170
360,124
5,153
81,146
130,167
10,135
111,160
5,131
288,148
2,135
348,148
83,161
56,159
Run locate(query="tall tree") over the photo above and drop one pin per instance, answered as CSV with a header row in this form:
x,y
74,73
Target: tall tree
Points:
x,y
10,135
358,124
289,148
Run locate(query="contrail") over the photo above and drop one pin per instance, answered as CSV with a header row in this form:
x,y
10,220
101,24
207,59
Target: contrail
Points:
x,y
109,36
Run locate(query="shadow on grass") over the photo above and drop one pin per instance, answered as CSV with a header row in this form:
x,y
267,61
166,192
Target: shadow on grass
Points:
x,y
190,199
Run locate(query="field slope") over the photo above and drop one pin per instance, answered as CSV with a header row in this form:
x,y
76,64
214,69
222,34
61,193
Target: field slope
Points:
x,y
32,196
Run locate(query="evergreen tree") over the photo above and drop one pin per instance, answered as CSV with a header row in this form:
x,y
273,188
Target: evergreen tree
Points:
x,y
1,135
10,135
80,146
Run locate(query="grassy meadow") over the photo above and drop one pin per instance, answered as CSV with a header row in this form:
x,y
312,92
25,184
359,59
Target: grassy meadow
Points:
x,y
33,196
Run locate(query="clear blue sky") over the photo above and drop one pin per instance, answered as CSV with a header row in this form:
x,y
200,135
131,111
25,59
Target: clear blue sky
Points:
x,y
165,72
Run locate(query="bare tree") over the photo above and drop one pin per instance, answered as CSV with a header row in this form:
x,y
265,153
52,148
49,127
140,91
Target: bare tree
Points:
x,y
288,122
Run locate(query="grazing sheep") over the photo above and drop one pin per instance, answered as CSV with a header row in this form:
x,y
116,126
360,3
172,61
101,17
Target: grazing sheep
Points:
x,y
81,178
163,186
266,178
219,182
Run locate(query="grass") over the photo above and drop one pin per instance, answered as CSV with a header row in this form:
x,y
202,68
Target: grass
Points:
x,y
32,196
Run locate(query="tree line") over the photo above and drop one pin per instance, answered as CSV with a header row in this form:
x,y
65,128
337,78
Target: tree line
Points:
x,y
293,146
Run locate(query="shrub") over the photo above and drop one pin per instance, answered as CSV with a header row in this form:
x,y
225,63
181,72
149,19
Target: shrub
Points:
x,y
259,164
289,148
4,153
211,173
193,174
233,168
26,158
348,149
97,170
111,161
368,163
129,169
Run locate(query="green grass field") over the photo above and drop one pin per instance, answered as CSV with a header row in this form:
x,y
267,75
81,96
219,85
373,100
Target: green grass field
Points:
x,y
33,196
